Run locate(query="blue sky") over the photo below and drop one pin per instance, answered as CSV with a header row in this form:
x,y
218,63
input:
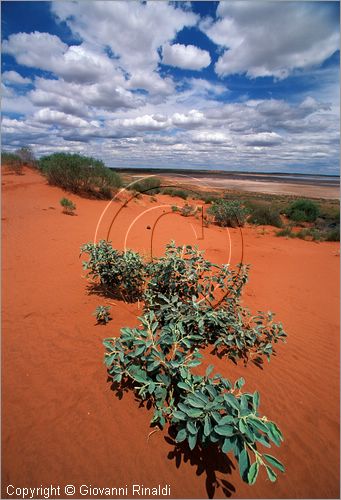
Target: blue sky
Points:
x,y
234,85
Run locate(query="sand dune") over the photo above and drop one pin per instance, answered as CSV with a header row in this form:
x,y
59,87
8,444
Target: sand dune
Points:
x,y
62,424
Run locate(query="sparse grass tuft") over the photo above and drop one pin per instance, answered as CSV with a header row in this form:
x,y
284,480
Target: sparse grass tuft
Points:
x,y
68,206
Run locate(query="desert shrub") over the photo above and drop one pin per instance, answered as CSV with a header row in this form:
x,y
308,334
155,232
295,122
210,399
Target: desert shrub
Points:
x,y
105,192
262,214
157,358
187,210
150,186
79,174
68,206
228,213
184,281
311,233
102,314
333,235
26,155
208,198
180,193
13,162
120,273
303,211
203,409
175,208
286,231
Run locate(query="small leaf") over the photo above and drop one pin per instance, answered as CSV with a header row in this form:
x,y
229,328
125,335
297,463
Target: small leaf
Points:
x,y
255,398
229,398
183,385
194,413
192,440
211,390
239,383
274,462
253,473
191,427
228,445
258,424
224,430
207,426
242,426
274,433
179,415
139,350
271,474
244,464
196,402
227,419
181,436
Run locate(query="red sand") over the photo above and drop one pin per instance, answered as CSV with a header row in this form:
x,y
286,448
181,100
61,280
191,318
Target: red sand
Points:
x,y
61,422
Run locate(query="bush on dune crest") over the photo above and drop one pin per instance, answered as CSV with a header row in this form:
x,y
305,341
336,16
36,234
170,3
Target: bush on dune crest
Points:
x,y
15,162
181,315
80,174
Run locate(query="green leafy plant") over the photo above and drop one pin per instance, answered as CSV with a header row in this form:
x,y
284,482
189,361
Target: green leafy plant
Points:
x,y
303,210
207,298
68,206
190,303
102,314
122,274
157,360
228,213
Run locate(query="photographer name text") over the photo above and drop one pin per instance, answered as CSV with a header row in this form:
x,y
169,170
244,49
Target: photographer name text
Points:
x,y
70,490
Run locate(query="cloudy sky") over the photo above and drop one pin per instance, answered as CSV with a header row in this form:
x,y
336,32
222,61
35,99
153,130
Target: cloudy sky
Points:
x,y
236,85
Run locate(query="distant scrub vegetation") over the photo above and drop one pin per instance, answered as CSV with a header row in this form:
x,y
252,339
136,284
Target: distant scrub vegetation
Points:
x,y
180,193
265,215
317,223
87,176
303,211
16,161
149,185
79,174
228,213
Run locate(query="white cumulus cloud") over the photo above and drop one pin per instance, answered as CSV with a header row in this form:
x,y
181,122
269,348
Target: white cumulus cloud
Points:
x,y
268,38
11,77
185,56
